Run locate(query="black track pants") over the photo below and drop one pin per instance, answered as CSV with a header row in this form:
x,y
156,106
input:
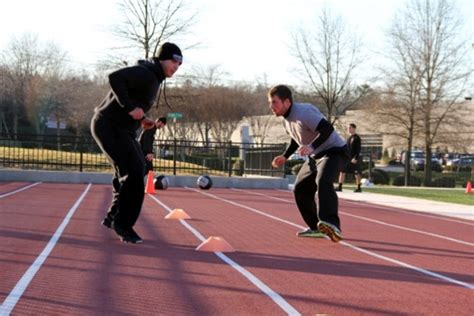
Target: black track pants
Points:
x,y
317,176
126,157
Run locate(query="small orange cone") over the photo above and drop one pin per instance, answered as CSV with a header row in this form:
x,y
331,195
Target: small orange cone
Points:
x,y
150,186
177,213
215,244
468,187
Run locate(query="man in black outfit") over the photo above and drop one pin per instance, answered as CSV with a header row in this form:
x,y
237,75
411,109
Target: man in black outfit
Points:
x,y
146,139
354,144
114,125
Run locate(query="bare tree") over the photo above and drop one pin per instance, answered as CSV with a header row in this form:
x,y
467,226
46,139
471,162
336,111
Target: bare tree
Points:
x,y
329,55
259,117
27,61
228,106
396,112
398,107
148,23
430,32
83,95
209,76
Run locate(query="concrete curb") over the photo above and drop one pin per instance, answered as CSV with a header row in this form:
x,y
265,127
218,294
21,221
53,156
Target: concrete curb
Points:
x,y
106,178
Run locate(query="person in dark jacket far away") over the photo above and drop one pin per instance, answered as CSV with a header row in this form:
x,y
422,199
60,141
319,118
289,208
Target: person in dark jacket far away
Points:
x,y
114,126
354,145
146,140
313,136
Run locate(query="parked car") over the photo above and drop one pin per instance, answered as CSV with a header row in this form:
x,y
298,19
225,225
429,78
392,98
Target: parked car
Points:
x,y
417,161
297,157
465,162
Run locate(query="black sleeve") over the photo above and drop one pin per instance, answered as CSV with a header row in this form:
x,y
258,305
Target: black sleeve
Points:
x,y
146,140
292,147
122,80
356,147
325,130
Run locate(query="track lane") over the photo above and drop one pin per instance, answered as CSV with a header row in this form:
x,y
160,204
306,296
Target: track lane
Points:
x,y
451,227
31,218
317,271
11,188
417,248
165,275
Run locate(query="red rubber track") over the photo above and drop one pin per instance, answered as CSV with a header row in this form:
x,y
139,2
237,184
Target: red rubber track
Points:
x,y
90,272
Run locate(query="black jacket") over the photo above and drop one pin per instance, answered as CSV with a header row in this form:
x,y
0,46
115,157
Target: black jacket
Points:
x,y
146,139
354,144
131,87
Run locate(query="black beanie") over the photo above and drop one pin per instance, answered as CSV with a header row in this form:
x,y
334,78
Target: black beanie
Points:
x,y
169,51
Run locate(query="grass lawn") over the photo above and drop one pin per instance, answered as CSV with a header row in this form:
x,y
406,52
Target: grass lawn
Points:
x,y
442,195
48,159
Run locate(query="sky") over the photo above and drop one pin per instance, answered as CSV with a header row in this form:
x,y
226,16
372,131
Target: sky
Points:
x,y
248,39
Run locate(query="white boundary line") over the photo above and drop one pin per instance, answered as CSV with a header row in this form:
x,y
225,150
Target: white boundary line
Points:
x,y
376,221
441,217
19,190
370,253
25,280
274,296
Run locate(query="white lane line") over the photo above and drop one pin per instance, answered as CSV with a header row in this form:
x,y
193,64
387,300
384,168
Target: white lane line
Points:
x,y
19,190
274,296
440,217
418,213
25,280
375,221
370,253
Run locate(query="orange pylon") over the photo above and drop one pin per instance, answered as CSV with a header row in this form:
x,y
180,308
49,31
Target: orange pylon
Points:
x,y
177,213
150,186
468,187
215,244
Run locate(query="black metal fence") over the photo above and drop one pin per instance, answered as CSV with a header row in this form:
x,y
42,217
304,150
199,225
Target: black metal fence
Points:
x,y
177,157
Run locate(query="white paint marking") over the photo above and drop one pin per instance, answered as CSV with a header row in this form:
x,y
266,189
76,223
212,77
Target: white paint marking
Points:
x,y
375,221
19,190
440,217
274,296
370,253
25,280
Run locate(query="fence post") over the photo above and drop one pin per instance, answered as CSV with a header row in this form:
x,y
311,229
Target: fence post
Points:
x,y
230,159
174,156
81,159
370,165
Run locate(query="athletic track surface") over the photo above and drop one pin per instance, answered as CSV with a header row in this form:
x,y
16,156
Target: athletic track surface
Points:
x,y
56,258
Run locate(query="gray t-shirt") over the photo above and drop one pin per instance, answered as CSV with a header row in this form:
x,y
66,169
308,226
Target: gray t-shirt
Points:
x,y
301,125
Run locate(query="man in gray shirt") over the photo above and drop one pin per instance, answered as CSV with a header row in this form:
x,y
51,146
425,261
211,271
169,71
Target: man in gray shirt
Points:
x,y
313,136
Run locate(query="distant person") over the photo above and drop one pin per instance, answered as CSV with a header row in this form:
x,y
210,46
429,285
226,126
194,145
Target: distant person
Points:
x,y
146,140
114,126
313,136
354,144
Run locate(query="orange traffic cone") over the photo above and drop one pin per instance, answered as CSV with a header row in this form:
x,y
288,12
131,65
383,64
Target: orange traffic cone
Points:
x,y
177,213
150,186
468,187
215,244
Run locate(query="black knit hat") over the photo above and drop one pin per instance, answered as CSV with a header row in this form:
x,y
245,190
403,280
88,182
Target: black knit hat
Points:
x,y
170,51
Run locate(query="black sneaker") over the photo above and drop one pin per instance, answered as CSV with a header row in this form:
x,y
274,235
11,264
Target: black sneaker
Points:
x,y
138,239
338,189
107,222
358,190
126,235
130,238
